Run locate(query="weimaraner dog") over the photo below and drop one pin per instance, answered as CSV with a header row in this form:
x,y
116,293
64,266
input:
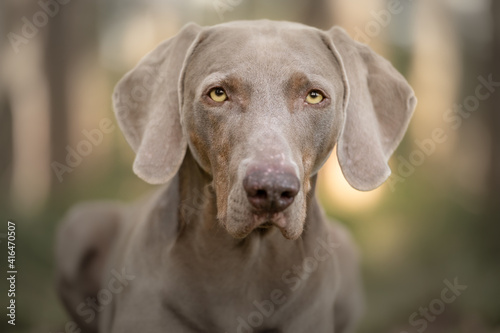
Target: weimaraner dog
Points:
x,y
235,120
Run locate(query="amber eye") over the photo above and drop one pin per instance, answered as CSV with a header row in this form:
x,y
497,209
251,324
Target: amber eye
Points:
x,y
314,97
218,95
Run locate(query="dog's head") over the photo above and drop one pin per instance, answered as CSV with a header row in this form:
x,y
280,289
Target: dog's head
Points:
x,y
260,105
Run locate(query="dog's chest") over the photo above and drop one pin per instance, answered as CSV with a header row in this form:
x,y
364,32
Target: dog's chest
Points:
x,y
211,291
264,295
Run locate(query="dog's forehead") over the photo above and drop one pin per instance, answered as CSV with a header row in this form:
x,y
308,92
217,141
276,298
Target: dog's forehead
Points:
x,y
253,45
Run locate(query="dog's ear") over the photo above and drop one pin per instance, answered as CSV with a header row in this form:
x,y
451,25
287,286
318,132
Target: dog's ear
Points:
x,y
378,104
147,106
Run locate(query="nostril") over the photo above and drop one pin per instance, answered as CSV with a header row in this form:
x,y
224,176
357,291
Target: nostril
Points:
x,y
260,194
287,195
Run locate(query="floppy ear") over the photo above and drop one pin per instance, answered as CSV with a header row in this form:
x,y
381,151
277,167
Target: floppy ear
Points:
x,y
146,103
378,106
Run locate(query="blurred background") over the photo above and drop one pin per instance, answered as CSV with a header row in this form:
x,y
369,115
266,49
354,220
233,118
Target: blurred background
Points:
x,y
436,219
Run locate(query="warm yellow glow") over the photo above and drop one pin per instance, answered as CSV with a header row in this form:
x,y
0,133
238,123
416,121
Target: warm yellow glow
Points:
x,y
351,16
337,192
362,25
139,38
144,32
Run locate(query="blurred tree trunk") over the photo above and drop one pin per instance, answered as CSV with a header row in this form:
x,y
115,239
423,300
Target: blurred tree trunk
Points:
x,y
34,91
24,106
494,117
488,230
5,110
58,56
69,37
317,13
491,227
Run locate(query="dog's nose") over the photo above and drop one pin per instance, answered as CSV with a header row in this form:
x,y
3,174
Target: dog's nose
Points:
x,y
271,190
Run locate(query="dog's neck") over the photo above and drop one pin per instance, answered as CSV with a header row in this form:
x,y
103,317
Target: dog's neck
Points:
x,y
198,210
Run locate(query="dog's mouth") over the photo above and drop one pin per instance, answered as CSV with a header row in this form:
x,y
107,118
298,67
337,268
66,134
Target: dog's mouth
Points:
x,y
266,225
242,218
269,220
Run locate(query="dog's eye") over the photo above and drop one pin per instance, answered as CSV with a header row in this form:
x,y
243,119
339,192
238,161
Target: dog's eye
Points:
x,y
218,95
314,97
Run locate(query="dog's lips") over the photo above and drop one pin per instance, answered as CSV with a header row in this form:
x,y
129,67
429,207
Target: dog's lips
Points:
x,y
269,220
265,225
265,222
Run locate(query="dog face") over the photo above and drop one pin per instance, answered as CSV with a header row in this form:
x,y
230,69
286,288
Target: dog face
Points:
x,y
262,118
261,105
